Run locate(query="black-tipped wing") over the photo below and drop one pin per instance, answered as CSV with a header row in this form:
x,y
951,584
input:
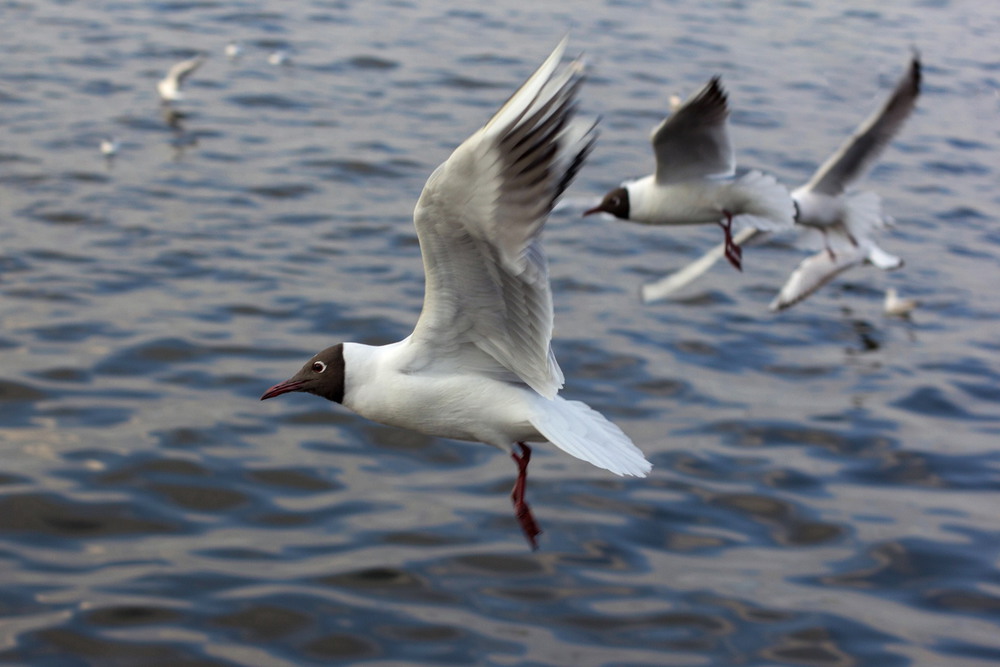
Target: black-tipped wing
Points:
x,y
871,137
693,142
487,304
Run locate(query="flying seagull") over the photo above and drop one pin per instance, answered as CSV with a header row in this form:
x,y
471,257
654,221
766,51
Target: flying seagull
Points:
x,y
841,223
696,182
479,364
169,87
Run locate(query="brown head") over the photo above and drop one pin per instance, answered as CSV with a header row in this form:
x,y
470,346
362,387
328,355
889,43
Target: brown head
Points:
x,y
615,202
322,375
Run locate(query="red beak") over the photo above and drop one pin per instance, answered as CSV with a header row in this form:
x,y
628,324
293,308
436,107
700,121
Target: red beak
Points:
x,y
283,388
591,211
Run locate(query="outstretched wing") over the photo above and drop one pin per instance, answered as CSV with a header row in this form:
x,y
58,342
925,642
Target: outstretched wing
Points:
x,y
184,69
870,139
814,272
664,287
693,142
487,302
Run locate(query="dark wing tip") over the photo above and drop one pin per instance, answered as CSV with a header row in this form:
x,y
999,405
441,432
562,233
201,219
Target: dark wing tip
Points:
x,y
712,100
714,90
916,72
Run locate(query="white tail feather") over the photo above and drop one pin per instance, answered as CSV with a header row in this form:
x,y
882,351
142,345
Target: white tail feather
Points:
x,y
581,431
769,205
863,214
883,260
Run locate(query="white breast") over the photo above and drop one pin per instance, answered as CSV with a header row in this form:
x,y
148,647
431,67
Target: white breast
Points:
x,y
462,406
689,202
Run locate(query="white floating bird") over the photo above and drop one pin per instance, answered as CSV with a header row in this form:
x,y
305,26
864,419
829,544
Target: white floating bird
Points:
x,y
280,58
479,364
897,307
841,223
234,50
109,147
169,86
695,181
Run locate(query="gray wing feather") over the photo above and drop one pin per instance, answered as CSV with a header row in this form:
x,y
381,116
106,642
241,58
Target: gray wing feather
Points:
x,y
479,221
871,137
693,142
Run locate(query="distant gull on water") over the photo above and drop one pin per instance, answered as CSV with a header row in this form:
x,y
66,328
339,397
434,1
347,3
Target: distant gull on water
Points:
x,y
169,86
897,307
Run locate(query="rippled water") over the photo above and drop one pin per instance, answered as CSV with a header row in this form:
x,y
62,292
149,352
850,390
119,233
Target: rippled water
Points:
x,y
826,486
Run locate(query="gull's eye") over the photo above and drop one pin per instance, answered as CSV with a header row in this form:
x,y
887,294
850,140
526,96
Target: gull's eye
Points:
x,y
318,367
616,201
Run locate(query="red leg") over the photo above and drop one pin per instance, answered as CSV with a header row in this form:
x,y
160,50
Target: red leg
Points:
x,y
733,252
521,509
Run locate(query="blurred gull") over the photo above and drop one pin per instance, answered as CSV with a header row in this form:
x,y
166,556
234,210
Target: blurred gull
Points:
x,y
841,223
109,147
897,307
280,58
479,364
233,50
169,86
695,181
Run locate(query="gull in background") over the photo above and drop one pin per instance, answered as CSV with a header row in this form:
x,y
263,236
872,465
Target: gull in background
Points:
x,y
839,222
897,307
696,182
280,58
109,147
169,87
846,222
479,364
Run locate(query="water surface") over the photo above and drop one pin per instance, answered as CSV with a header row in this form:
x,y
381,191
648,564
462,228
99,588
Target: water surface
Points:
x,y
826,483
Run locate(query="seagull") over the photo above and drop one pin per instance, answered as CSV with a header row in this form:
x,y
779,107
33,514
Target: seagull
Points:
x,y
898,307
280,58
479,364
234,50
695,181
169,86
846,222
842,222
109,147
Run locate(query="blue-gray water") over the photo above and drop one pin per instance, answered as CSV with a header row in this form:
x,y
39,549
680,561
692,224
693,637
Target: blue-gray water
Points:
x,y
827,481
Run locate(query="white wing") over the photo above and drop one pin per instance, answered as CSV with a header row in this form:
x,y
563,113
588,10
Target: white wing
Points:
x,y
814,272
487,301
693,142
184,69
664,287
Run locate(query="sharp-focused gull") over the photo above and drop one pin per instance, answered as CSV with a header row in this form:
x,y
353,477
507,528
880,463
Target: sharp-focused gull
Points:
x,y
479,364
695,181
